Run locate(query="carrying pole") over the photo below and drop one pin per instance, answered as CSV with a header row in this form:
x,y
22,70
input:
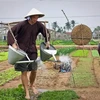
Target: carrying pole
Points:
x,y
12,35
65,15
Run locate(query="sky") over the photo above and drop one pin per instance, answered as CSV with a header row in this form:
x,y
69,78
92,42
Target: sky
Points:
x,y
82,11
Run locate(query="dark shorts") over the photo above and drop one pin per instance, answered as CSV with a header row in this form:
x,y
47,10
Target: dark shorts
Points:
x,y
26,66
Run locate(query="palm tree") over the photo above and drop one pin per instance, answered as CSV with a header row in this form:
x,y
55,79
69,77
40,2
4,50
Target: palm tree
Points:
x,y
60,30
54,25
64,28
73,23
68,26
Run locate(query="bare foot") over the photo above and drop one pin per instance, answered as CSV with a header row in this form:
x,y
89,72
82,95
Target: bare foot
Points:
x,y
35,91
27,97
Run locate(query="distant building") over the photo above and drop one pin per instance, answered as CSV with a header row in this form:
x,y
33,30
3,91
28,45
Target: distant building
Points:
x,y
63,36
54,35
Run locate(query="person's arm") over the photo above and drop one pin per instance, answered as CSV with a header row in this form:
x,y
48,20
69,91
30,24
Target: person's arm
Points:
x,y
45,32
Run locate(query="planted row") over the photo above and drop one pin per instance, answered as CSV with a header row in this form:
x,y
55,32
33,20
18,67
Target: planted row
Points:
x,y
8,75
12,94
58,95
65,51
82,74
3,56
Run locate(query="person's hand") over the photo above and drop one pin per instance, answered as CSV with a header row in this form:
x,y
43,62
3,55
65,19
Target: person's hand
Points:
x,y
47,45
14,45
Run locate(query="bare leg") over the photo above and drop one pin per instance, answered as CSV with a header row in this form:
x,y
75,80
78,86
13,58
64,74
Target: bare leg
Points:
x,y
32,79
24,79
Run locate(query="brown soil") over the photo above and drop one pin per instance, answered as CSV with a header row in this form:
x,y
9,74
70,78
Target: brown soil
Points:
x,y
51,79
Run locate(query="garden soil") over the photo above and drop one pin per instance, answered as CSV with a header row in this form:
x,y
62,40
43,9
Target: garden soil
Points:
x,y
49,78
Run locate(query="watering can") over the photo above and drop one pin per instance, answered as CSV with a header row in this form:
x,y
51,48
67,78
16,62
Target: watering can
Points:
x,y
46,54
15,55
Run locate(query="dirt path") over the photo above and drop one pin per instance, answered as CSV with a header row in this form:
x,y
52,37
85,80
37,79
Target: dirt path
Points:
x,y
4,65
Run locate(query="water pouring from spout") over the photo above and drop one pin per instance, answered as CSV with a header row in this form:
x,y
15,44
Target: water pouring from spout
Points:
x,y
51,52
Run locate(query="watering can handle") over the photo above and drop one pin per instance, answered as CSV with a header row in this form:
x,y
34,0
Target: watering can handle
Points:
x,y
47,47
46,32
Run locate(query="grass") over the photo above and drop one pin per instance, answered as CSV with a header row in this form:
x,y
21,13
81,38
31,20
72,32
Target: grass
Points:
x,y
83,75
58,95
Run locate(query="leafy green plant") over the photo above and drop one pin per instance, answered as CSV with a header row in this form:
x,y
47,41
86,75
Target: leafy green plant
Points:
x,y
12,94
92,42
3,42
3,56
56,42
8,75
82,74
64,51
58,95
38,42
95,53
62,42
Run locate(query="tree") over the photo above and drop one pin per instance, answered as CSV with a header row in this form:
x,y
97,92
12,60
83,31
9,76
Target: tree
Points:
x,y
60,30
97,32
73,23
68,26
54,25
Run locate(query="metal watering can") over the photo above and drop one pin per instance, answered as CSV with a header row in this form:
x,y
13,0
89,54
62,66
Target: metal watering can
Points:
x,y
46,54
15,55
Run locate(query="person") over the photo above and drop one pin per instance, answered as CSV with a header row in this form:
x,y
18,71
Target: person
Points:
x,y
26,33
99,48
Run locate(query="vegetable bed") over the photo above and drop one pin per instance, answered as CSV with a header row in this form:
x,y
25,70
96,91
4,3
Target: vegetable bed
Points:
x,y
8,75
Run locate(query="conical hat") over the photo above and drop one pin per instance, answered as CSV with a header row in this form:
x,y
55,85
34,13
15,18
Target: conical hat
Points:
x,y
34,12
